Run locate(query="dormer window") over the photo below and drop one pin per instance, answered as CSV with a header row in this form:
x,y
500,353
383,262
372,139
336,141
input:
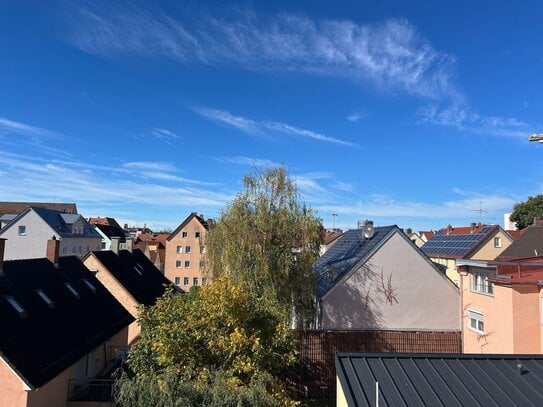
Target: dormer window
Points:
x,y
90,285
16,306
46,299
72,290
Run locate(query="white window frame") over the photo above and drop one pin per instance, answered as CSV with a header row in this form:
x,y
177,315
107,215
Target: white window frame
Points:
x,y
480,283
197,235
477,317
187,264
178,264
497,241
179,249
21,230
177,281
188,249
195,281
186,281
184,235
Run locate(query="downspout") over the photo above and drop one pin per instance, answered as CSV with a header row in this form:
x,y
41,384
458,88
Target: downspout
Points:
x,y
458,269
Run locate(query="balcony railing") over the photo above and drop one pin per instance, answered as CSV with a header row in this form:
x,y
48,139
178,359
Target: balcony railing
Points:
x,y
90,390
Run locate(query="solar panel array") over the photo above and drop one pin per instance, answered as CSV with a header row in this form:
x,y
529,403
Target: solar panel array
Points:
x,y
455,245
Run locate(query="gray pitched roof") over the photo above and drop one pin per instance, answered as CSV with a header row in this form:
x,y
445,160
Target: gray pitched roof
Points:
x,y
529,244
440,379
348,250
15,208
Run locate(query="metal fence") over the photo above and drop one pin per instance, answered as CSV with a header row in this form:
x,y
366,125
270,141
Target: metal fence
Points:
x,y
90,390
315,375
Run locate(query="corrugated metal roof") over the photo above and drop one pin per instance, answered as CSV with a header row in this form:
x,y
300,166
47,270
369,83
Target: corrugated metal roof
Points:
x,y
348,250
434,380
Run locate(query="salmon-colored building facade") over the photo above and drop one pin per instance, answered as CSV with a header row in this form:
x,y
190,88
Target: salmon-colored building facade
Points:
x,y
185,249
502,306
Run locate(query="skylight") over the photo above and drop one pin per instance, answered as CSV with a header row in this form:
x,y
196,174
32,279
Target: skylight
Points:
x,y
139,269
16,306
72,290
90,285
45,298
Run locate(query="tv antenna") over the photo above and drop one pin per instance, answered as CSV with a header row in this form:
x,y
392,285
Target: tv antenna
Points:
x,y
334,215
480,210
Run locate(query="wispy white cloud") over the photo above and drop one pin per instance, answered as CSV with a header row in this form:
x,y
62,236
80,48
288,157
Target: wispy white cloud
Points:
x,y
354,117
266,128
164,135
465,118
249,161
11,126
148,165
390,54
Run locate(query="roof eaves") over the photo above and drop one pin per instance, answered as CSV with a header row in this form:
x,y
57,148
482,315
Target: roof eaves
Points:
x,y
14,369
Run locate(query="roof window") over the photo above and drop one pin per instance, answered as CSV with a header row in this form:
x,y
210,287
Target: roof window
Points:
x,y
139,269
16,306
90,285
72,290
45,298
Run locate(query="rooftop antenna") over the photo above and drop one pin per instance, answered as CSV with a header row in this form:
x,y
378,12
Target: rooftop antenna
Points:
x,y
334,215
480,210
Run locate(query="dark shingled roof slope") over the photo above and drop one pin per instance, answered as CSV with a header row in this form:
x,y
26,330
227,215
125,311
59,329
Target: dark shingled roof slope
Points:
x,y
44,340
441,379
529,244
145,283
112,231
348,250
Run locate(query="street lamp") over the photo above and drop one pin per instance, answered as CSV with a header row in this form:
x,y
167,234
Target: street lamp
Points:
x,y
536,137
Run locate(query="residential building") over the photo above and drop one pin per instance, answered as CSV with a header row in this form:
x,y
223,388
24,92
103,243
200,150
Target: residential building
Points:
x,y
395,379
377,279
130,277
153,245
104,221
27,234
185,249
135,231
503,299
109,232
474,242
419,238
59,327
328,238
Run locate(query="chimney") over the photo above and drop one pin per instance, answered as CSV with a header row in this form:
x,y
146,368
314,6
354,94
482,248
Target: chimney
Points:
x,y
129,244
2,248
449,229
409,231
53,248
115,243
473,226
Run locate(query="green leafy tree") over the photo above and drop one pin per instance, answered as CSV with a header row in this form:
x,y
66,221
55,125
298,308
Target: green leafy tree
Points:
x,y
217,345
525,212
267,241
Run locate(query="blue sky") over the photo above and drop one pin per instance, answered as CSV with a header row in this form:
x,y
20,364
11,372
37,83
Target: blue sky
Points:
x,y
409,113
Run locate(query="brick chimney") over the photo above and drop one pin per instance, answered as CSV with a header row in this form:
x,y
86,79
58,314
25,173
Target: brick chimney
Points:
x,y
52,253
449,229
2,249
115,244
473,226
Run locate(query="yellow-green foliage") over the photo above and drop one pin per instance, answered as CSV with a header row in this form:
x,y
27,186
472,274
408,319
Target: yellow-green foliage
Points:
x,y
266,241
218,327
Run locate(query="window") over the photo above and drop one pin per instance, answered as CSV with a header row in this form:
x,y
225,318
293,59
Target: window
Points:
x,y
497,242
22,230
195,281
188,249
204,280
16,306
187,264
202,264
197,235
45,298
202,249
185,281
481,284
72,290
178,264
138,268
476,321
179,249
184,234
177,280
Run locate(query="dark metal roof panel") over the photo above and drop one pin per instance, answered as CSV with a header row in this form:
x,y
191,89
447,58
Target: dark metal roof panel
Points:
x,y
410,379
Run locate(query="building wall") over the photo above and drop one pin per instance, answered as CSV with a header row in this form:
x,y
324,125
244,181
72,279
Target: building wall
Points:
x,y
170,269
79,246
488,251
341,401
526,319
31,246
119,292
396,289
12,392
497,310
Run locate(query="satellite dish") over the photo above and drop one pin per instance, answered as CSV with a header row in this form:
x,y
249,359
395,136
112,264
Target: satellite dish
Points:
x,y
367,228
